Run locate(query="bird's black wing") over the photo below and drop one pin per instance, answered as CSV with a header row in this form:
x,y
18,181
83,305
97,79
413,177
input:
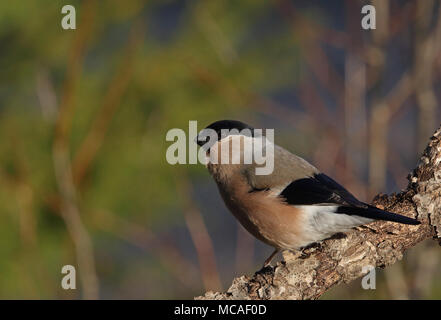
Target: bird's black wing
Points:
x,y
323,190
319,190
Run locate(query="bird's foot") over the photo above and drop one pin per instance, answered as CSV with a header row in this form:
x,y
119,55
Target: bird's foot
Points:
x,y
309,249
270,258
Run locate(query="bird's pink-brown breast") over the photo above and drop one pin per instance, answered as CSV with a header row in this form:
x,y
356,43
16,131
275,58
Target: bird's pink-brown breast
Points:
x,y
261,213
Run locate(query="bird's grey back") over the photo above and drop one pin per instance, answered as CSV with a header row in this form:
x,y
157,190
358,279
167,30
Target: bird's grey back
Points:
x,y
287,168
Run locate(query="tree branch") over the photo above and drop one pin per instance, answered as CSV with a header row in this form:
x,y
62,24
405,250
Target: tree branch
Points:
x,y
379,244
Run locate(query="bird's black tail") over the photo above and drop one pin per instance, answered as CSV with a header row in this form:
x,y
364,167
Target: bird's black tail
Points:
x,y
372,212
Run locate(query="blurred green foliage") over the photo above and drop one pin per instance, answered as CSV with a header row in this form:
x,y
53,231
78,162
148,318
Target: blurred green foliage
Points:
x,y
191,60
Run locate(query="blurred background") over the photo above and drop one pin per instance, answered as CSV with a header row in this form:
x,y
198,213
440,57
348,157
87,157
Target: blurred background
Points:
x,y
84,113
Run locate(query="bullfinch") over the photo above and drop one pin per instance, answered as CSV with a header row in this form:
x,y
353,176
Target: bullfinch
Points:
x,y
290,208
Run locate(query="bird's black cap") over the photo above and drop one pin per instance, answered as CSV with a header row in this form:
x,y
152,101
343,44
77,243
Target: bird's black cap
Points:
x,y
230,126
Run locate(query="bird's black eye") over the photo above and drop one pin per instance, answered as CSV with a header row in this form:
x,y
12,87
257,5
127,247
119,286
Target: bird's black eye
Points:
x,y
222,135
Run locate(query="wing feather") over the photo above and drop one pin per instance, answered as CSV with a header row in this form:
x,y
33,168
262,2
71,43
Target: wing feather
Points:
x,y
321,190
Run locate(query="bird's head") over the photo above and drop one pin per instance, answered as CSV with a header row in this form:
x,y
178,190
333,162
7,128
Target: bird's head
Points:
x,y
222,129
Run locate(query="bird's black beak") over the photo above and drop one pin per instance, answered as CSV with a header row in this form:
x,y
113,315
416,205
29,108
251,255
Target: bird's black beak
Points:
x,y
204,141
200,141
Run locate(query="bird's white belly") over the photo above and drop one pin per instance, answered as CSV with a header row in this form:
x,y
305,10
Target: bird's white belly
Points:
x,y
321,222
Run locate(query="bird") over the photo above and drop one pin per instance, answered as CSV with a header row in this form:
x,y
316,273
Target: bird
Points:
x,y
293,207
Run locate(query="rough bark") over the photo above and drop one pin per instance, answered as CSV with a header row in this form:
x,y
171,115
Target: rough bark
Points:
x,y
343,259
